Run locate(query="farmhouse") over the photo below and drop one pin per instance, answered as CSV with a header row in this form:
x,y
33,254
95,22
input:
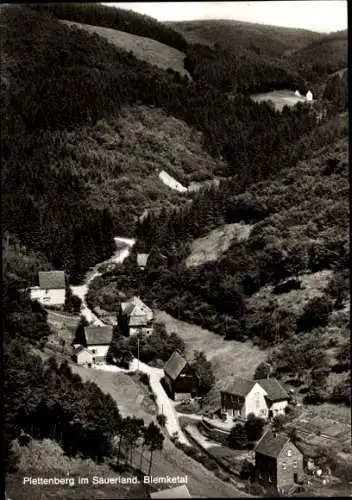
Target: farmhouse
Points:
x,y
134,316
309,96
98,340
51,290
278,463
178,492
180,378
265,398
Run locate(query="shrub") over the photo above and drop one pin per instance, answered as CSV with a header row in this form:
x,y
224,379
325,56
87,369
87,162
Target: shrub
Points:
x,y
144,378
315,314
161,418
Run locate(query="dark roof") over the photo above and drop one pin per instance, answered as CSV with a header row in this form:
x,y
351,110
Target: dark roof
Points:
x,y
177,492
240,386
175,365
52,279
271,444
98,335
274,389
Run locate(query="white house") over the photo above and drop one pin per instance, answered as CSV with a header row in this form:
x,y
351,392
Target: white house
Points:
x,y
134,316
265,398
51,290
297,93
98,340
309,96
142,259
83,356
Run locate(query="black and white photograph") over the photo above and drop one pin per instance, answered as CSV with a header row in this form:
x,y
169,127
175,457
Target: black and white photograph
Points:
x,y
175,250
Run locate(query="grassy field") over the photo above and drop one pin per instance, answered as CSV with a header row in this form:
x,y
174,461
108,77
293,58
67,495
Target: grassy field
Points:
x,y
215,243
143,48
280,98
229,358
169,461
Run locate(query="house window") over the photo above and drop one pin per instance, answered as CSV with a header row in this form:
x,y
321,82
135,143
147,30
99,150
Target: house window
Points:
x,y
295,464
289,453
269,479
94,351
262,412
283,465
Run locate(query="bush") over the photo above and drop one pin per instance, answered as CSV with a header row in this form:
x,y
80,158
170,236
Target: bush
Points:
x,y
315,314
161,418
144,378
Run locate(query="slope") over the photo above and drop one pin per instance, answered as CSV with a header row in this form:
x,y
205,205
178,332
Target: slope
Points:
x,y
146,49
320,57
231,35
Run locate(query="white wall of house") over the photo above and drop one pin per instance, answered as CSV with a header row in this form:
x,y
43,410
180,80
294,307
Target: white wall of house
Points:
x,y
99,351
84,357
255,402
133,330
278,408
52,297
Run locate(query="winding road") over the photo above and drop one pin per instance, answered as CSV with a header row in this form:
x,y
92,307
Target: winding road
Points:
x,y
155,374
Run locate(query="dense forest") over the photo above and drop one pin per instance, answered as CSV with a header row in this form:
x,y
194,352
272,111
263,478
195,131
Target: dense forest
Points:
x,y
294,232
95,80
119,19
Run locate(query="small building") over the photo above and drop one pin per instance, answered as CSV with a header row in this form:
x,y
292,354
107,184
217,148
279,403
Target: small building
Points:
x,y
134,316
180,378
83,356
297,93
97,341
309,96
142,259
276,396
265,398
177,492
278,463
52,288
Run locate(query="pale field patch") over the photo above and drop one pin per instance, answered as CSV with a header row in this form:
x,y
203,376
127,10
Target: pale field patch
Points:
x,y
216,242
146,49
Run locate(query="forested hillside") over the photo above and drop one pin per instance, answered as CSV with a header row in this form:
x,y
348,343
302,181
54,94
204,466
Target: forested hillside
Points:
x,y
321,57
233,35
299,221
55,78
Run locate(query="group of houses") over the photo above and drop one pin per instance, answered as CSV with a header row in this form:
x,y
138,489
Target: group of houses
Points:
x,y
309,95
278,463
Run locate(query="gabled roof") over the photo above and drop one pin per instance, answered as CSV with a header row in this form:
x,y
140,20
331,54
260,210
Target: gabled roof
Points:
x,y
271,444
275,391
134,305
175,365
240,386
52,280
142,259
178,492
98,335
81,348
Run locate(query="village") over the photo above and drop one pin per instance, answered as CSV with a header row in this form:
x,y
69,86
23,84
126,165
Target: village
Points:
x,y
255,434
